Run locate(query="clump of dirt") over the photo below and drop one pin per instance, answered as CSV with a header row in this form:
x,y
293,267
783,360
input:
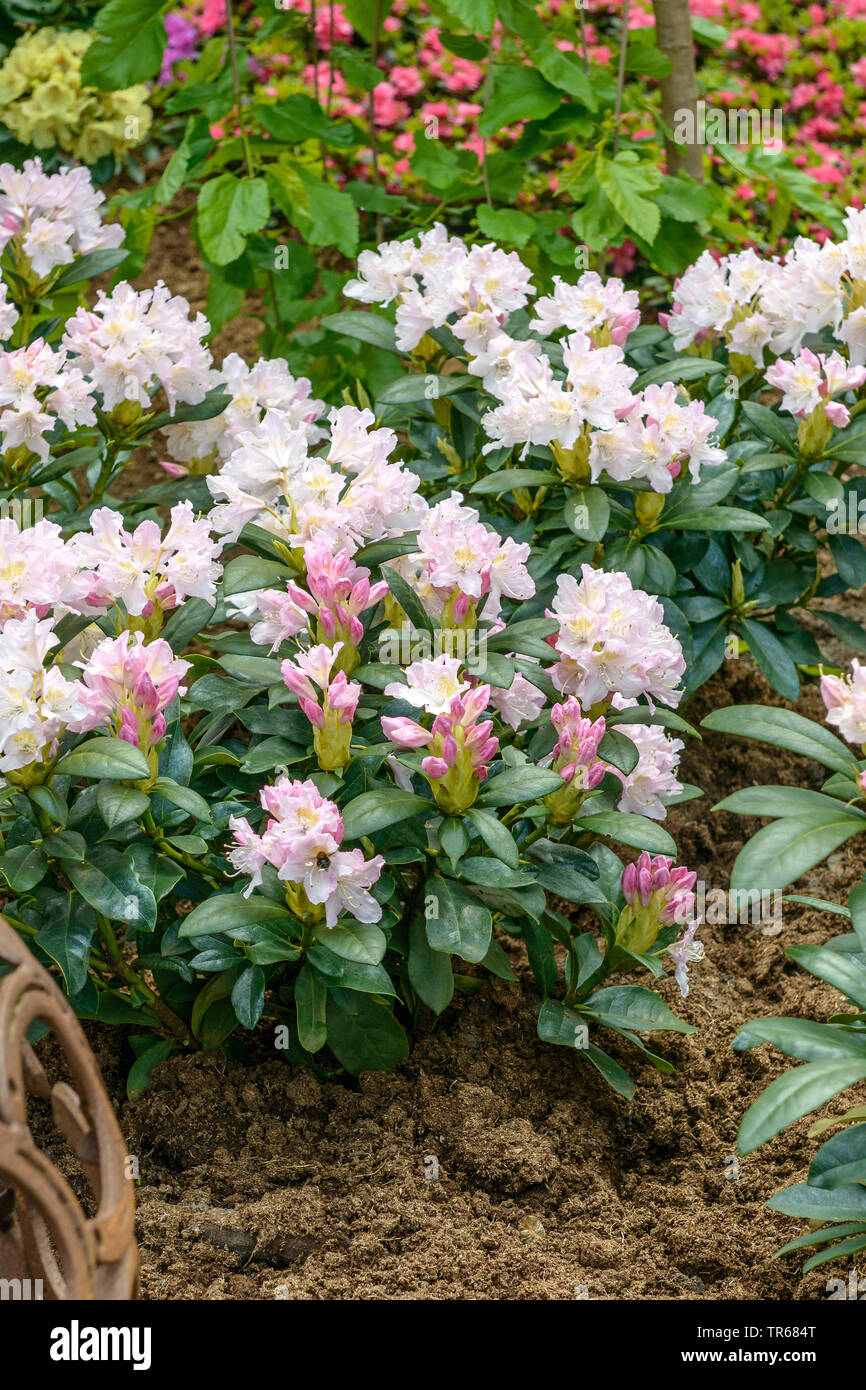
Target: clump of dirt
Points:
x,y
492,1165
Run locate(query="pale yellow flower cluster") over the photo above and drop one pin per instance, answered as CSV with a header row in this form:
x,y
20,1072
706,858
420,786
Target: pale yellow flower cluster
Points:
x,y
43,103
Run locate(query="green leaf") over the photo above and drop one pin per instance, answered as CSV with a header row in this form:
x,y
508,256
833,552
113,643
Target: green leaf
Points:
x,y
785,729
615,1075
86,267
311,1004
407,599
518,94
715,519
620,750
372,811
102,757
772,658
818,1204
323,214
767,423
850,556
496,836
66,938
795,1094
66,844
629,829
626,181
857,904
118,803
836,967
841,1160
23,867
455,921
802,1038
184,797
367,328
476,15
114,61
229,210
248,996
363,1034
505,224
110,883
518,784
780,801
144,1066
430,972
298,118
633,1007
560,1025
358,941
226,911
781,852
679,369
506,479
587,513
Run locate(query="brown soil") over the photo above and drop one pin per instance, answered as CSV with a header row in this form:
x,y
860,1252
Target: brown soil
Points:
x,y
258,1181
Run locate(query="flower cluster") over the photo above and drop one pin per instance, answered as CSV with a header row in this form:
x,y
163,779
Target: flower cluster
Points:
x,y
603,310
46,220
302,842
459,561
132,341
655,440
811,380
332,718
460,748
267,385
37,703
845,700
438,278
145,571
352,496
38,388
575,758
659,896
612,640
127,683
44,103
757,304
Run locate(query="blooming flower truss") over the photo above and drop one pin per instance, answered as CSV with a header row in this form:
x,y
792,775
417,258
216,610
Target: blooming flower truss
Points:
x,y
37,704
45,103
268,385
150,574
438,278
46,220
133,341
127,684
612,641
302,842
351,496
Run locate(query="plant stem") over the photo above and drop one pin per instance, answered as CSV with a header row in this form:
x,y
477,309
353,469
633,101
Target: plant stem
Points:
x,y
620,79
125,972
106,470
374,154
236,83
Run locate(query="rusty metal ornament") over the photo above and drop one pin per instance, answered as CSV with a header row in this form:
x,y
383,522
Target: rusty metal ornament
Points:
x,y
44,1232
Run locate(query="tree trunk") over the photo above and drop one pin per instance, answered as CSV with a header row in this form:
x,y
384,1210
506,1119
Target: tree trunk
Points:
x,y
680,90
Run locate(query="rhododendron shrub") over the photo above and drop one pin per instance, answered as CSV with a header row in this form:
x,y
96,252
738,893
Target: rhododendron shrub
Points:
x,y
711,457
375,763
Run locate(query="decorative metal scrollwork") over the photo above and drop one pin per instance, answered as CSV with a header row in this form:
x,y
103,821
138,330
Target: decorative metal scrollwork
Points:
x,y
44,1232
